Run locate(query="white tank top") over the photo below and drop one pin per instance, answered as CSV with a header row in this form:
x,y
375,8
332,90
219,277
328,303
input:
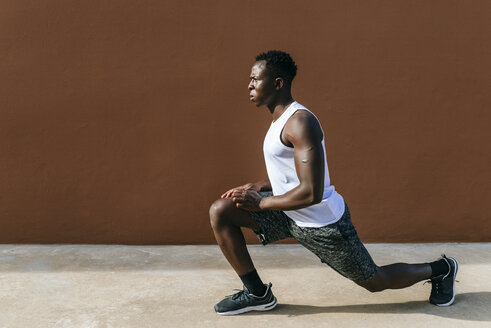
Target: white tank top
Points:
x,y
283,176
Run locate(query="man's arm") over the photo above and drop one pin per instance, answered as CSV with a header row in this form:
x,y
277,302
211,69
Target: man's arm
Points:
x,y
303,132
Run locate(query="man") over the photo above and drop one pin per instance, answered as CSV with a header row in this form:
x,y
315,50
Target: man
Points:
x,y
298,201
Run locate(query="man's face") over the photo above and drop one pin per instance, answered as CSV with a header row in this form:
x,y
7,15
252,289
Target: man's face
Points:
x,y
261,85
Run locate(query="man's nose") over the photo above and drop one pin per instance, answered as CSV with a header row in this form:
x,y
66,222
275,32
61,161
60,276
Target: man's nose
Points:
x,y
250,87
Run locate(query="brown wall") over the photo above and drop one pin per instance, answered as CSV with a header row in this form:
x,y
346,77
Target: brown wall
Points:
x,y
121,121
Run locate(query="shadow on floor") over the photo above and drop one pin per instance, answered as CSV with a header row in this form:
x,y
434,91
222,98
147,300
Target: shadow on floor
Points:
x,y
467,306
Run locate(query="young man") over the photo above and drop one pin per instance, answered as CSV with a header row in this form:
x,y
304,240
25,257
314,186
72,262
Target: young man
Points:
x,y
298,201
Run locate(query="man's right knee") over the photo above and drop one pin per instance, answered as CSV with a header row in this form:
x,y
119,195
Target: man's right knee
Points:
x,y
220,211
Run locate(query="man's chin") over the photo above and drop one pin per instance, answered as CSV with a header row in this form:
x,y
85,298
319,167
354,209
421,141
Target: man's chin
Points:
x,y
257,104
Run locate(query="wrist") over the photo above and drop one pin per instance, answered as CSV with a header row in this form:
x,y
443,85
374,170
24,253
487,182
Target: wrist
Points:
x,y
262,204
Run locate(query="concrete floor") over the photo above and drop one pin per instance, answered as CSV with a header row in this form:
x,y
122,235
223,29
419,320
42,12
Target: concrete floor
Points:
x,y
177,286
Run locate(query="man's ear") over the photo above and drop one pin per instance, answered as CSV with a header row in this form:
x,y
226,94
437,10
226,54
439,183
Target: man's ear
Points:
x,y
279,83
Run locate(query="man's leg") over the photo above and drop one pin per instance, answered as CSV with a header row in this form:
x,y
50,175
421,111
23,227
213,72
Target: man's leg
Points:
x,y
400,275
338,246
226,220
397,275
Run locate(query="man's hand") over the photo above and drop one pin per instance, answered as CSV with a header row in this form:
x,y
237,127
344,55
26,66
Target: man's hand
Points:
x,y
246,199
248,186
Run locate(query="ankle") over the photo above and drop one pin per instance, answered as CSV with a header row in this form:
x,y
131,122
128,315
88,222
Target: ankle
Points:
x,y
253,283
439,267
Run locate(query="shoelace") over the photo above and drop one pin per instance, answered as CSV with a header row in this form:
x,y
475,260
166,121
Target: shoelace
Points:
x,y
239,295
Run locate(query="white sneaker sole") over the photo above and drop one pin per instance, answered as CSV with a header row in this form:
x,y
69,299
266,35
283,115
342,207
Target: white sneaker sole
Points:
x,y
262,307
454,276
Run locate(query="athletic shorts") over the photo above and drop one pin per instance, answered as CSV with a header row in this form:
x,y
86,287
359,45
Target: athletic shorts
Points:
x,y
336,244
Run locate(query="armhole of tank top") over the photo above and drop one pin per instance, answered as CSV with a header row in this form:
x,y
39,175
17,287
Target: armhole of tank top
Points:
x,y
281,132
318,122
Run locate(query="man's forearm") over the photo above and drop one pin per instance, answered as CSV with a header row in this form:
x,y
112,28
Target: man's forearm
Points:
x,y
293,200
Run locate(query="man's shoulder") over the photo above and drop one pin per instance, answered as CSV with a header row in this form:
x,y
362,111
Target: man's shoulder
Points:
x,y
302,118
302,125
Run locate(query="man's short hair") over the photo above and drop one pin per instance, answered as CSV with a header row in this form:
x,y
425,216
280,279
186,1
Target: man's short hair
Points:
x,y
279,63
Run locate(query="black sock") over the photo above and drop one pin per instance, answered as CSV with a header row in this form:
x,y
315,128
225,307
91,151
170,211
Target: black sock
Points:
x,y
438,268
253,283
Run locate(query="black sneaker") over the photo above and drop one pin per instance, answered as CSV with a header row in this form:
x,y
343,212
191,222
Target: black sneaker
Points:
x,y
242,302
443,286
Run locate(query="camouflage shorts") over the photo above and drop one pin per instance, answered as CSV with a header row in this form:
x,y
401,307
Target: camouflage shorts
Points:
x,y
336,244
